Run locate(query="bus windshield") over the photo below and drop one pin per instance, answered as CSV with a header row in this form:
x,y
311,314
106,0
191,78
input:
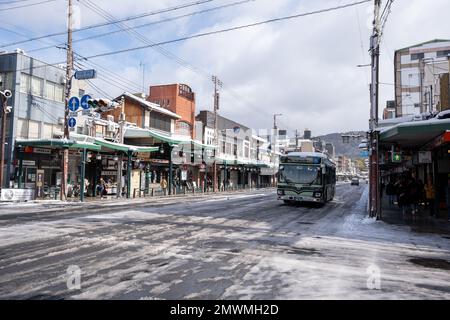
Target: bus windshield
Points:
x,y
300,174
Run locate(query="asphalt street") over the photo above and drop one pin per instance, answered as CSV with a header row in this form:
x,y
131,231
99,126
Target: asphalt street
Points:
x,y
237,246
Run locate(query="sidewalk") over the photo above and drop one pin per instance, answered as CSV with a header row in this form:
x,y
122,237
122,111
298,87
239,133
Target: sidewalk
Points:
x,y
90,203
422,223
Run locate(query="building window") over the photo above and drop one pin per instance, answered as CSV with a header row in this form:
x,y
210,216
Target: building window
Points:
x,y
25,83
22,129
59,93
47,132
54,91
36,86
33,129
6,81
81,92
443,53
417,56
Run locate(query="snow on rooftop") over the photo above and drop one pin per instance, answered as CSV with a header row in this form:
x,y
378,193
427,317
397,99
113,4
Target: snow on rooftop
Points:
x,y
152,106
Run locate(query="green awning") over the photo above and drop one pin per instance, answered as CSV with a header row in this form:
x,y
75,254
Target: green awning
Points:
x,y
147,133
171,139
123,147
60,143
414,134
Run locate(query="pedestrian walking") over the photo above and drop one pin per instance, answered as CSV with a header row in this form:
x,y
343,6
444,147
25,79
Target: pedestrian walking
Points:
x,y
101,187
390,192
164,185
430,196
413,194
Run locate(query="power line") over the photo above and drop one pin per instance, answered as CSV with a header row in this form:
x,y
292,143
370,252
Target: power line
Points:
x,y
109,23
141,37
95,36
107,71
26,5
13,1
199,35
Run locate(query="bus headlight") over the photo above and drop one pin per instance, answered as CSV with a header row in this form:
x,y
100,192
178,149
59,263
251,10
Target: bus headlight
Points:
x,y
317,194
280,192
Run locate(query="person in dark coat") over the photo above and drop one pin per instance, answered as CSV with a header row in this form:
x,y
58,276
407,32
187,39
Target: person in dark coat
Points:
x,y
390,192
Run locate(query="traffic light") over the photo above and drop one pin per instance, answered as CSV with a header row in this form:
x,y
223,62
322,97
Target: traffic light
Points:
x,y
103,104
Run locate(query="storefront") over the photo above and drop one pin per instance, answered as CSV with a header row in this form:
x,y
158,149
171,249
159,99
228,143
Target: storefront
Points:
x,y
39,164
419,149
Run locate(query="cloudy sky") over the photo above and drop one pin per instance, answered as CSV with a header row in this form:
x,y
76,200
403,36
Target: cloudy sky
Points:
x,y
303,68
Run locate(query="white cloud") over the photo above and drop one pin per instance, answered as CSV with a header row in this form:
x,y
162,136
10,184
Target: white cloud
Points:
x,y
303,68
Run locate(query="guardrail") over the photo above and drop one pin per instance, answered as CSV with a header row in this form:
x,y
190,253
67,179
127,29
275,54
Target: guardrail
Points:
x,y
184,190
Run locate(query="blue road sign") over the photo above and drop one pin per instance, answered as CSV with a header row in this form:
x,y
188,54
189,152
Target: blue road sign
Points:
x,y
85,74
72,122
84,101
74,104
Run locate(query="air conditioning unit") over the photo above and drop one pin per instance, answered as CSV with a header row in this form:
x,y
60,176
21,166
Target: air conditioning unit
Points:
x,y
110,118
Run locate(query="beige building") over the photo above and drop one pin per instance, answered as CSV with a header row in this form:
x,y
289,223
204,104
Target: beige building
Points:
x,y
418,71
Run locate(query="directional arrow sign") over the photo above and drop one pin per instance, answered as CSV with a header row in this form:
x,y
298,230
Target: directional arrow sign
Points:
x,y
74,104
72,122
84,101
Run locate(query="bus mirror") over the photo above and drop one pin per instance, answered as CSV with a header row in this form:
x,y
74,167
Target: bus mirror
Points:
x,y
324,169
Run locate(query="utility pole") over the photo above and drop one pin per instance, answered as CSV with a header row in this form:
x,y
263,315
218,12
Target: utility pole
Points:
x,y
296,139
121,141
4,96
217,83
275,120
374,197
2,161
69,68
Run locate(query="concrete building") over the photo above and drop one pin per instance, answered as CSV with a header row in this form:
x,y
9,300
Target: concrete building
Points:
x,y
418,70
329,149
319,145
307,134
37,112
389,111
180,99
243,158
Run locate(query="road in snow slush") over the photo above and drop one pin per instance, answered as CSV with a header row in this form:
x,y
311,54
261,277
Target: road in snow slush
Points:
x,y
220,247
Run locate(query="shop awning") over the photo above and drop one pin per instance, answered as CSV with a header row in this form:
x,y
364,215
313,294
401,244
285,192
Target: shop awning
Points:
x,y
59,143
415,134
123,147
147,133
171,139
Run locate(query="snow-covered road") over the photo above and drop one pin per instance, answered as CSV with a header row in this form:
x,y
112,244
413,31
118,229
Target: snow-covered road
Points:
x,y
221,247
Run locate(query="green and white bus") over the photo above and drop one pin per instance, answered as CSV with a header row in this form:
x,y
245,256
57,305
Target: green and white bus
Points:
x,y
306,177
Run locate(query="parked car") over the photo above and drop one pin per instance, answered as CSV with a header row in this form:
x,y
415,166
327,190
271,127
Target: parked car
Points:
x,y
443,115
355,182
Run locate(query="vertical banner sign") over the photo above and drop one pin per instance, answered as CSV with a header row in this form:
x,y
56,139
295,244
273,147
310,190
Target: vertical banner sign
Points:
x,y
40,183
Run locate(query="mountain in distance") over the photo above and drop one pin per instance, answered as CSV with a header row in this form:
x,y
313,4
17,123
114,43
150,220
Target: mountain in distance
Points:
x,y
349,149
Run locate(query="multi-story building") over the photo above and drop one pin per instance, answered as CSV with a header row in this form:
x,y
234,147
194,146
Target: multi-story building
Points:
x,y
180,99
389,111
37,112
307,134
240,153
319,145
418,70
329,149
